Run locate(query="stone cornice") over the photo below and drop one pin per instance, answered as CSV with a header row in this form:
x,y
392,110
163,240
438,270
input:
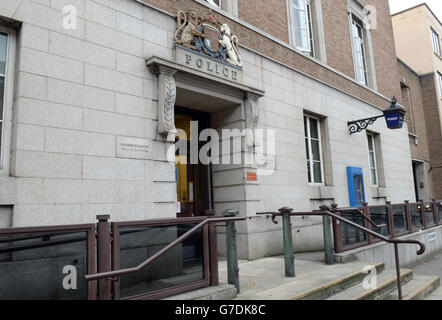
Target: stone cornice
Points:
x,y
155,63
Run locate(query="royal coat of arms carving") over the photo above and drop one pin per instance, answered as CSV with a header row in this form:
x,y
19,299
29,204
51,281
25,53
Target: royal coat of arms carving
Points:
x,y
206,35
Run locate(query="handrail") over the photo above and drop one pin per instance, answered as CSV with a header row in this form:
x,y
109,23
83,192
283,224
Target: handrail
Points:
x,y
337,217
395,242
349,208
375,234
117,273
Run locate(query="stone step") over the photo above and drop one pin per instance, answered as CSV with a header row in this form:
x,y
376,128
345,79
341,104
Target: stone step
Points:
x,y
435,295
386,283
328,289
419,288
221,292
264,279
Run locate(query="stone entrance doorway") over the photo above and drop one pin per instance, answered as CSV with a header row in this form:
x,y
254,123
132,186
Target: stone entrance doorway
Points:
x,y
230,106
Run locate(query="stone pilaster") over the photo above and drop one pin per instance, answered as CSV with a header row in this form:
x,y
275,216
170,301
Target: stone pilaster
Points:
x,y
252,116
166,102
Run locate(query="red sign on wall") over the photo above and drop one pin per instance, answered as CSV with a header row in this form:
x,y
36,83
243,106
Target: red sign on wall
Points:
x,y
251,176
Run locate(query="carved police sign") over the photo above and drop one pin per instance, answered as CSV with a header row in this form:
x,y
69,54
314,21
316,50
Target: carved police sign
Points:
x,y
205,64
206,45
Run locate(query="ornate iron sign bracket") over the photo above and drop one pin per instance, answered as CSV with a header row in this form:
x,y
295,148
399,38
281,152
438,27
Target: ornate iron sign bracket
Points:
x,y
394,117
360,125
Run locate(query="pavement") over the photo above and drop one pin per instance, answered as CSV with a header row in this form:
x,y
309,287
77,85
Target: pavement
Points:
x,y
433,266
264,279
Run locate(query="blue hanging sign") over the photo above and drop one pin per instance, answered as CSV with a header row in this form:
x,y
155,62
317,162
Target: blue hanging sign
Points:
x,y
395,120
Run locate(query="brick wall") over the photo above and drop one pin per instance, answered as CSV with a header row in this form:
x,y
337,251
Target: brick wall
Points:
x,y
426,124
415,110
269,15
432,122
338,43
339,56
384,50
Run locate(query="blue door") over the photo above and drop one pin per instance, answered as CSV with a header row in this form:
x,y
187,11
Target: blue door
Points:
x,y
356,186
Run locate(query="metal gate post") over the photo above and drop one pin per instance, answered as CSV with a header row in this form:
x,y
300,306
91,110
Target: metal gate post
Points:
x,y
104,256
232,255
328,245
213,251
289,257
398,271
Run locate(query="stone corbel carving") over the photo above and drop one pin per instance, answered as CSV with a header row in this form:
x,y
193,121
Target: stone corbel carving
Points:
x,y
166,102
252,116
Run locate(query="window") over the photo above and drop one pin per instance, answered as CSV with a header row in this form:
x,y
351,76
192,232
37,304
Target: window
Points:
x,y
313,149
436,41
359,51
439,75
360,24
3,68
216,3
229,6
7,54
303,26
372,159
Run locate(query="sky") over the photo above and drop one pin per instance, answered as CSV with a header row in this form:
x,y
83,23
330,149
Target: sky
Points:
x,y
399,5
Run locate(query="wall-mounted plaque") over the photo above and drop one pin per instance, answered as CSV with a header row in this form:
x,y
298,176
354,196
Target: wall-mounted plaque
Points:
x,y
133,148
208,65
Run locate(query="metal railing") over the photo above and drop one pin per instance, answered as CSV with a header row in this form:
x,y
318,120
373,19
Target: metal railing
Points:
x,y
333,213
106,277
96,251
397,220
32,260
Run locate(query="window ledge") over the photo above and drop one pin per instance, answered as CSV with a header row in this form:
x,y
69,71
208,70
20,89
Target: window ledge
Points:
x,y
219,10
320,192
378,192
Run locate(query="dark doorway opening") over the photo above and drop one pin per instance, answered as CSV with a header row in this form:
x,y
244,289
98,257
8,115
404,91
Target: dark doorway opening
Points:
x,y
194,186
193,179
416,186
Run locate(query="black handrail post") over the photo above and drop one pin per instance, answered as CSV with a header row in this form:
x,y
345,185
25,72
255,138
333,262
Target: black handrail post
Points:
x,y
289,257
390,219
423,215
408,212
328,246
398,271
213,244
231,250
104,256
337,229
435,212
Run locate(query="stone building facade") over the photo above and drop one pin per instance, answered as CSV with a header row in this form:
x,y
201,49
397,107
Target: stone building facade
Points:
x,y
417,35
87,123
